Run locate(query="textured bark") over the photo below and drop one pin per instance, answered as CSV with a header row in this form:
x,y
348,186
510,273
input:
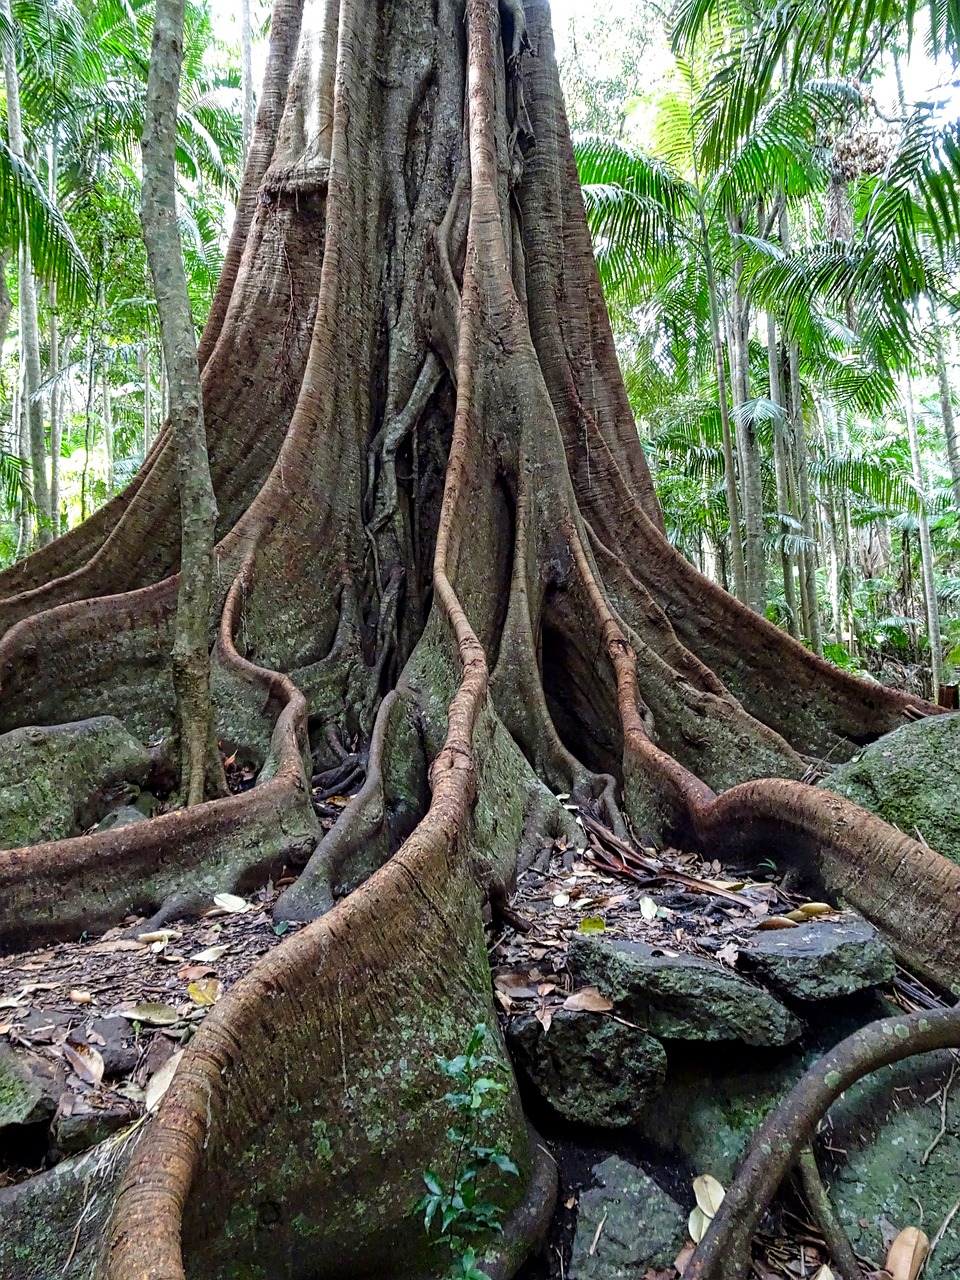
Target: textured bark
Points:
x,y
198,507
931,607
442,568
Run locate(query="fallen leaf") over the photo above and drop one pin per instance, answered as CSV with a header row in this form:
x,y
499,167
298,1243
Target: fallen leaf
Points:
x,y
211,953
813,909
11,1002
697,1224
86,1062
823,1273
231,903
116,944
546,988
907,1254
571,1203
206,991
544,1017
729,953
682,1259
192,972
159,1082
160,935
591,924
561,899
775,922
152,1015
648,909
81,997
709,1194
588,1000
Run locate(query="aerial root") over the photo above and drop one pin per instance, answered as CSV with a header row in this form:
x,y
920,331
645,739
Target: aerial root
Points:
x,y
782,1139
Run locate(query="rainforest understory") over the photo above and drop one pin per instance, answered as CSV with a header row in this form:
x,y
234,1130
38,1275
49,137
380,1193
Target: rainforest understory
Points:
x,y
441,572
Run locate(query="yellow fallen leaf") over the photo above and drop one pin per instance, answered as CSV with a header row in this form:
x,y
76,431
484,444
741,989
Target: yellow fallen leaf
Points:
x,y
709,1194
210,953
697,1224
230,902
204,991
776,922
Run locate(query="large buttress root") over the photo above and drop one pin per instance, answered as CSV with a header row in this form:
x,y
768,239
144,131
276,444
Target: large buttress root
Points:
x,y
442,550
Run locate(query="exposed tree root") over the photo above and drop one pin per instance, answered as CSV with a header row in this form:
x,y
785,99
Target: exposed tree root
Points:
x,y
724,1252
441,577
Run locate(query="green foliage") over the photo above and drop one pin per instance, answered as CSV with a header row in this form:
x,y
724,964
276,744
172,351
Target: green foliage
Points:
x,y
458,1208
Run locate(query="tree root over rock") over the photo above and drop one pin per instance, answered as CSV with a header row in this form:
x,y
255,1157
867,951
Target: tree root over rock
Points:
x,y
439,537
784,1137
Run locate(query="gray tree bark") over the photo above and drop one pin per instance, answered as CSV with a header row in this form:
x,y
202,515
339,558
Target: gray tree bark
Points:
x,y
198,508
946,412
29,322
246,62
930,605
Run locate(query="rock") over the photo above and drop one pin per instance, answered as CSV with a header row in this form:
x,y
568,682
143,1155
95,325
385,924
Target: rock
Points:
x,y
54,780
906,778
80,1126
820,960
119,1051
643,1227
588,1067
121,817
29,1088
680,997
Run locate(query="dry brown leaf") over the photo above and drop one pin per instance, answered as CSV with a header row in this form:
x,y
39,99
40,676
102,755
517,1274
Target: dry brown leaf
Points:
x,y
544,1017
85,1061
192,972
116,944
823,1273
776,922
588,1000
81,997
681,1261
907,1254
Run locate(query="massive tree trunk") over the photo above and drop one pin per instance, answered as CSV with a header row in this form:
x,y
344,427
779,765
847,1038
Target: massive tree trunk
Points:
x,y
439,541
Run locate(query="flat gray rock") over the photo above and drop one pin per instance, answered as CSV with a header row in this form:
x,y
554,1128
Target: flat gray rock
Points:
x,y
589,1067
680,997
820,960
642,1226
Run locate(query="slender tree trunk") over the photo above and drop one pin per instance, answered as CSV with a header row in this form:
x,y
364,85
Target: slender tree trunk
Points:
x,y
108,429
30,325
808,558
6,301
729,466
751,486
931,607
784,508
147,401
58,398
946,410
198,508
246,61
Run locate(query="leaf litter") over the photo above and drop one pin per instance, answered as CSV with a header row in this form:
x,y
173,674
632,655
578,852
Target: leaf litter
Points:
x,y
106,1018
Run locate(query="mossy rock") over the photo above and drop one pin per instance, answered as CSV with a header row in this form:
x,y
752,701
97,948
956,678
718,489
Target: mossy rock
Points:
x,y
908,778
57,780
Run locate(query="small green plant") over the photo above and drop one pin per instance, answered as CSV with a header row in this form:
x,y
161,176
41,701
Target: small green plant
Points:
x,y
458,1209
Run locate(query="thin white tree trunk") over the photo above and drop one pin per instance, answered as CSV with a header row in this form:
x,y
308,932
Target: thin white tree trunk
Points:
x,y
246,60
108,430
29,322
931,608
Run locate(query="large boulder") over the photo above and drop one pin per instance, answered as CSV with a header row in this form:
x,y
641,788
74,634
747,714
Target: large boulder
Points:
x,y
680,997
625,1224
58,780
588,1067
908,777
820,960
